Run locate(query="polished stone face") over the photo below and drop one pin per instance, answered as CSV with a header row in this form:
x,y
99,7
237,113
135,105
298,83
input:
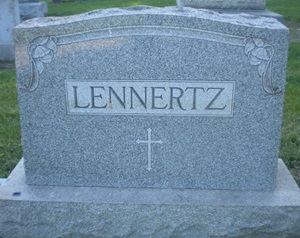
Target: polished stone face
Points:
x,y
153,98
225,4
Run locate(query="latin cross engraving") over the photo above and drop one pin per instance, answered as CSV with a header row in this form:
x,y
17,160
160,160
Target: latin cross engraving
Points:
x,y
149,143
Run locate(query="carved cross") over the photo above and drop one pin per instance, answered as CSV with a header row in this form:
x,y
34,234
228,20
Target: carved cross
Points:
x,y
149,143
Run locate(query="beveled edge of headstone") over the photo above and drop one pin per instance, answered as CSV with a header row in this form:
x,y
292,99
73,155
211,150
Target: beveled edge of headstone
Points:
x,y
207,14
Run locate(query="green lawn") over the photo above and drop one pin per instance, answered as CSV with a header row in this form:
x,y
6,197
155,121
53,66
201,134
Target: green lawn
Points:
x,y
290,138
10,138
71,7
10,145
290,9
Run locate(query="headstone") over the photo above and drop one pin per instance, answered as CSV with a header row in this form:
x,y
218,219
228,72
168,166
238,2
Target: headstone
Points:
x,y
32,8
157,105
158,122
252,7
9,17
226,4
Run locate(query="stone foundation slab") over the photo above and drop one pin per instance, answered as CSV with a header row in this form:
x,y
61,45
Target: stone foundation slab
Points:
x,y
51,211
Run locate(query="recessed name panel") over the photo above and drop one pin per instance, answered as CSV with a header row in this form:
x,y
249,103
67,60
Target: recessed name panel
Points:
x,y
166,98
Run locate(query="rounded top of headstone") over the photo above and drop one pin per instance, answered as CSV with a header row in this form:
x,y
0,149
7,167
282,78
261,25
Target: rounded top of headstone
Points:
x,y
185,12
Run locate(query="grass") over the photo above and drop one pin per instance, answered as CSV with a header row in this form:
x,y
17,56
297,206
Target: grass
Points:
x,y
290,139
10,146
290,9
72,7
10,138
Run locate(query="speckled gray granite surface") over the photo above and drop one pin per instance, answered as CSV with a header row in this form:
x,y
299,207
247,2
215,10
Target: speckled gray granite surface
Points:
x,y
224,4
211,118
53,211
251,7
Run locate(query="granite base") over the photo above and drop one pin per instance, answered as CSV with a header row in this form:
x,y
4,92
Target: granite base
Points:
x,y
51,211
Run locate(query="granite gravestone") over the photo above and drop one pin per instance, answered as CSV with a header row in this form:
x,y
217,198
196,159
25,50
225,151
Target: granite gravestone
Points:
x,y
9,17
32,8
115,103
225,4
253,7
145,100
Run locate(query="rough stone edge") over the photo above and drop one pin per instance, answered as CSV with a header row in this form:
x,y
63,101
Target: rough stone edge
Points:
x,y
207,14
37,211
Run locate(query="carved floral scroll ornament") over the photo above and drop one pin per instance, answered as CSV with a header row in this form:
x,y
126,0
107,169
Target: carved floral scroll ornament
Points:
x,y
261,54
41,52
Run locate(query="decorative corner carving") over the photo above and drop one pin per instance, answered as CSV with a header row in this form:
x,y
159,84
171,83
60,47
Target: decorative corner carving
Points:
x,y
261,54
40,51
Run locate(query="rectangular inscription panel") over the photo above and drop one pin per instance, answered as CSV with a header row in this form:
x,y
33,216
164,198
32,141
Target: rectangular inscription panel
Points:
x,y
150,98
